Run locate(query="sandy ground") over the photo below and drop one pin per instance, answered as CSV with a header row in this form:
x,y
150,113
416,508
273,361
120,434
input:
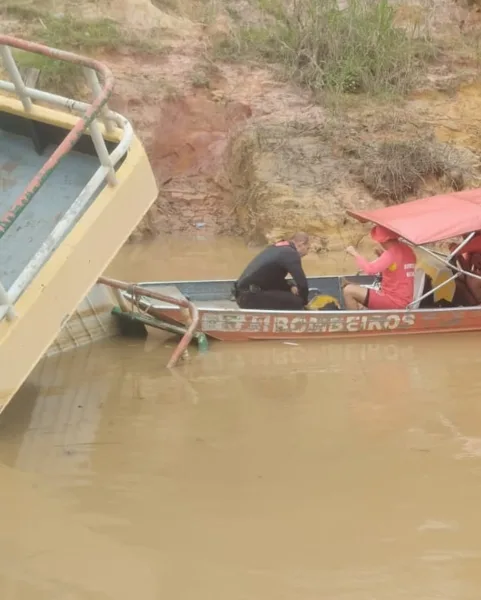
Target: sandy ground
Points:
x,y
238,151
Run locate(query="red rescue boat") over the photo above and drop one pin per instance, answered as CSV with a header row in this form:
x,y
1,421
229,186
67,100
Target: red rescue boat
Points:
x,y
421,223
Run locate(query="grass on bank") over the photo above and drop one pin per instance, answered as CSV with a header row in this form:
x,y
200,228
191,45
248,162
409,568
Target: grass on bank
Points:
x,y
355,49
67,31
55,75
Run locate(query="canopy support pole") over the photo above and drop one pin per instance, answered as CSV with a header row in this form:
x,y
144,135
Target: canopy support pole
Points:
x,y
448,264
428,293
445,260
461,245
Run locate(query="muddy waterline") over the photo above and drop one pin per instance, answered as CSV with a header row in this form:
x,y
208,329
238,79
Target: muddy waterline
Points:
x,y
347,471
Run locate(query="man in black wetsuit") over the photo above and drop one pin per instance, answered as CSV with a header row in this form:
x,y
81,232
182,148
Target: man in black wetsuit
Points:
x,y
263,283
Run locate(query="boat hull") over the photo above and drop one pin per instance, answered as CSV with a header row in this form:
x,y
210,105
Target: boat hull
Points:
x,y
235,324
245,325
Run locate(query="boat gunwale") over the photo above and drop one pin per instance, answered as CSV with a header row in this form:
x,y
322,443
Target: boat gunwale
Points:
x,y
292,312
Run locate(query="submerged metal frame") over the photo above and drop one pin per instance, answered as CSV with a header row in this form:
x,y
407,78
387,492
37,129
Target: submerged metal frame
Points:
x,y
88,121
186,304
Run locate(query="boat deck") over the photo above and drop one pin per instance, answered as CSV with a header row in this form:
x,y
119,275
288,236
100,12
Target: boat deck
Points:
x,y
218,294
221,300
19,162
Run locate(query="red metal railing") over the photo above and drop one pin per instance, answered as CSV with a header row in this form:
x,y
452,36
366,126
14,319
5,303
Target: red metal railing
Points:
x,y
73,136
141,291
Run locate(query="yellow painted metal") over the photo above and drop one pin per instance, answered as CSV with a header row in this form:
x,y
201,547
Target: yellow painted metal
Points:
x,y
90,322
45,307
439,273
59,118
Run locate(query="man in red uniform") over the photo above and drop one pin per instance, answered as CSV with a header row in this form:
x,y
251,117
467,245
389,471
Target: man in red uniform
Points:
x,y
397,265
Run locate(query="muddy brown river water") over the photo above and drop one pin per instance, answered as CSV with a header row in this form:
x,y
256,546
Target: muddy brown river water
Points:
x,y
260,471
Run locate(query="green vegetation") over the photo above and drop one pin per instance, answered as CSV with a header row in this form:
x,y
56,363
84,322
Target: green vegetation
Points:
x,y
356,49
25,10
55,75
200,80
69,32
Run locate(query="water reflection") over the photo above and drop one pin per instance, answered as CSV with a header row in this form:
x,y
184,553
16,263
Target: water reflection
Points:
x,y
316,470
60,414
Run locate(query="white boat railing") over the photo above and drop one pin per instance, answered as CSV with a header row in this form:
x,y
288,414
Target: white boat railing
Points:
x,y
89,120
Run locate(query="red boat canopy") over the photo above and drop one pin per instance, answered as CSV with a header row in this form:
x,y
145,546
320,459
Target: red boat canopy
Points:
x,y
429,219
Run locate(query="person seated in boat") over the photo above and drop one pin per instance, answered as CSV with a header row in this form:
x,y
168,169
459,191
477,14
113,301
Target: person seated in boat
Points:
x,y
468,289
263,283
473,284
397,265
465,255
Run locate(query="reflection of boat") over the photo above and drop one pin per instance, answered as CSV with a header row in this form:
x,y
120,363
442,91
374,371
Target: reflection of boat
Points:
x,y
68,171
420,223
60,406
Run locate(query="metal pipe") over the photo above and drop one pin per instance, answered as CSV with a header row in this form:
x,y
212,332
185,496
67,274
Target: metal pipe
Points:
x,y
140,291
431,291
93,81
154,322
102,152
6,300
54,53
74,106
68,220
185,341
75,133
468,273
78,107
445,260
461,245
137,290
450,266
17,80
124,307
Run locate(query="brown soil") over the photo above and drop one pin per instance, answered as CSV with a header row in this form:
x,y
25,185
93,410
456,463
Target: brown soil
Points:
x,y
186,151
185,137
186,130
237,150
249,154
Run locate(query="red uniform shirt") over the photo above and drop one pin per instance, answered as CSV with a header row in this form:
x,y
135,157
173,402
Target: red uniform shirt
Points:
x,y
397,266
